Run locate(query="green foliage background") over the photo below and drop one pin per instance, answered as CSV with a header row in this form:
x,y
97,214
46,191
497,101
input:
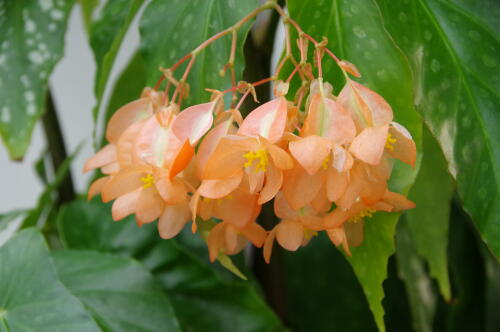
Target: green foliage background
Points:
x,y
435,268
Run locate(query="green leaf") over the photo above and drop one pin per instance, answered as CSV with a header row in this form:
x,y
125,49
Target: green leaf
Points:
x,y
466,312
171,29
120,293
335,299
411,269
31,43
128,86
31,296
453,47
88,7
356,33
428,223
88,225
106,36
202,301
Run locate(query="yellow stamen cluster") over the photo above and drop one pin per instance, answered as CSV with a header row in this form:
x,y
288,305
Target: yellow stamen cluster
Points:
x,y
325,162
368,213
260,156
389,143
309,233
147,181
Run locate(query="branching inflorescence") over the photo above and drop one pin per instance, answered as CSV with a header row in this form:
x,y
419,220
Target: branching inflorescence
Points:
x,y
324,159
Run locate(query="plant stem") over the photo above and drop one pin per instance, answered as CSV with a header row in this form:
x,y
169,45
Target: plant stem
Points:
x,y
57,150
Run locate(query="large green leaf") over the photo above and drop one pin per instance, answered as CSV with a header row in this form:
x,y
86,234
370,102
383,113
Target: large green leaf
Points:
x,y
171,29
31,43
202,300
428,223
453,47
411,269
205,302
88,225
356,33
31,296
106,36
333,301
120,293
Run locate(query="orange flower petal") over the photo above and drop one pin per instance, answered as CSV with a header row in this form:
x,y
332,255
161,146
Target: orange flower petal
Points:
x,y
215,240
282,209
102,157
125,205
227,158
96,186
255,179
274,180
193,122
280,157
328,119
267,120
209,144
289,234
149,206
171,191
311,152
321,203
181,159
125,116
369,145
255,233
125,146
230,239
111,168
404,148
337,217
367,107
123,182
216,189
173,219
336,183
300,188
238,209
398,201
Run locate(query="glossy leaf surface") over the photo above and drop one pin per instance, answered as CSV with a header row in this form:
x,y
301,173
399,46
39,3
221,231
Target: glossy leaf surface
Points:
x,y
428,223
120,293
185,25
31,296
106,36
453,48
201,299
31,43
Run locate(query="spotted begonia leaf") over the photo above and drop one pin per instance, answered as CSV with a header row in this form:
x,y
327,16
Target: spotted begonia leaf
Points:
x,y
31,43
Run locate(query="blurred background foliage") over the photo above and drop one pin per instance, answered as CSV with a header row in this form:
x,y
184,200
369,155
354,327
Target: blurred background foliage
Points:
x,y
435,268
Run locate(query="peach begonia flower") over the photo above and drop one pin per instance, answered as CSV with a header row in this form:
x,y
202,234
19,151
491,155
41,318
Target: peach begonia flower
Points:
x,y
150,183
377,133
328,127
121,132
345,226
225,238
295,229
237,211
251,154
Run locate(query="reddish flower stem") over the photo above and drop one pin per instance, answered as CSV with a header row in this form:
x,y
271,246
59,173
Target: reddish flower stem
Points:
x,y
242,99
263,81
